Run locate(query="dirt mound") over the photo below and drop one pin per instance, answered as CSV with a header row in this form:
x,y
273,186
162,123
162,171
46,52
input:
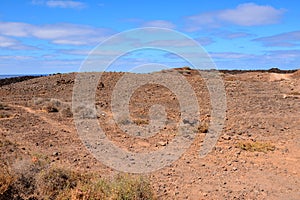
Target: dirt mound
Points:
x,y
296,74
279,77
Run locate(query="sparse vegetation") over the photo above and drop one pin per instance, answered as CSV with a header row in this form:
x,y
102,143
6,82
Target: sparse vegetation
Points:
x,y
256,146
52,182
54,106
5,142
66,112
4,115
203,127
141,121
4,111
86,112
5,179
295,93
121,187
58,183
4,107
184,70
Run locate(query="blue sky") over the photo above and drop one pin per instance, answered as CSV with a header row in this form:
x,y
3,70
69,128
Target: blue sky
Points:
x,y
49,36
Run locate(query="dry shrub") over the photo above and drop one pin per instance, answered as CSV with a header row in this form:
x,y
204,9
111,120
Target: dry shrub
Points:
x,y
54,106
295,93
5,114
25,172
5,111
6,179
85,112
20,181
52,182
203,127
40,101
141,121
86,190
256,146
121,187
5,143
4,107
57,183
128,187
66,112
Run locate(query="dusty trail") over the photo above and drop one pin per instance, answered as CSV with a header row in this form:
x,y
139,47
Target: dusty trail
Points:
x,y
40,114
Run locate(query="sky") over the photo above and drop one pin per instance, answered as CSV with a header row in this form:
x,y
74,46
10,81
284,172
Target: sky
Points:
x,y
51,36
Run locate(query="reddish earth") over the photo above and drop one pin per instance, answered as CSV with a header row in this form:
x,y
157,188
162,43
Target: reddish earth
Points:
x,y
256,157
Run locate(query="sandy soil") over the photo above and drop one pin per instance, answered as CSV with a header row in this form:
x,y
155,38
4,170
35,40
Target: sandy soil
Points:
x,y
262,108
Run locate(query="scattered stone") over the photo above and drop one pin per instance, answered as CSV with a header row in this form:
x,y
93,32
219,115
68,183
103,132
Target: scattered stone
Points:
x,y
162,143
55,153
226,137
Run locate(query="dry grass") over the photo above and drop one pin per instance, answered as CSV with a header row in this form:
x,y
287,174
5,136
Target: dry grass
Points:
x,y
256,146
4,115
120,188
51,105
86,112
203,127
4,111
5,179
58,183
4,107
52,182
295,93
4,142
141,121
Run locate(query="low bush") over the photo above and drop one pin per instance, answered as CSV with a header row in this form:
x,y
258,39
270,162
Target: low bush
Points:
x,y
256,146
57,183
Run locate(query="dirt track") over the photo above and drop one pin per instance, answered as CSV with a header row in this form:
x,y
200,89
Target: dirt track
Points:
x,y
263,112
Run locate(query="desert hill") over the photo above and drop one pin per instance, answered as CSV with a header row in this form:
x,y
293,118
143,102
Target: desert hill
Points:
x,y
256,157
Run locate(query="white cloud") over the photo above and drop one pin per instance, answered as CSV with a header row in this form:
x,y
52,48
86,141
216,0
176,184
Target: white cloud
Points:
x,y
229,55
250,14
93,54
160,24
37,2
232,35
172,43
65,4
283,59
10,43
181,42
15,29
7,42
204,41
68,34
69,42
247,14
284,54
60,4
282,40
15,57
